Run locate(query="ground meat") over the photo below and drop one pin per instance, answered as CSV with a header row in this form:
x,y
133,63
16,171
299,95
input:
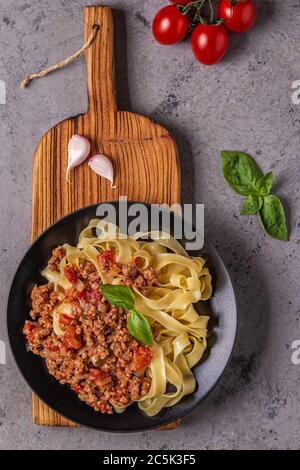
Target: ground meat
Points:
x,y
150,275
94,277
36,334
137,277
129,271
96,356
86,269
146,384
57,255
43,300
139,282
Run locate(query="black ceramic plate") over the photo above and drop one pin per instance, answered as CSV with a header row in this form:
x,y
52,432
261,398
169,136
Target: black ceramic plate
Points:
x,y
60,397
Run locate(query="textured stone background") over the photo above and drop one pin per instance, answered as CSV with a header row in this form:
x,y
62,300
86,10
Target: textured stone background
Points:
x,y
244,103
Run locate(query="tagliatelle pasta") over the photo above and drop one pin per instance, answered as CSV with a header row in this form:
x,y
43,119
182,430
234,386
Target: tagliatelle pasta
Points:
x,y
179,331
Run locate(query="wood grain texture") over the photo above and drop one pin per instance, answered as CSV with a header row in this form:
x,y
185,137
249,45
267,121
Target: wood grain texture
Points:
x,y
143,153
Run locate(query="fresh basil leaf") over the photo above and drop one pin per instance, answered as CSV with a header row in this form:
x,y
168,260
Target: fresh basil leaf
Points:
x,y
265,184
139,328
252,204
272,218
120,296
240,171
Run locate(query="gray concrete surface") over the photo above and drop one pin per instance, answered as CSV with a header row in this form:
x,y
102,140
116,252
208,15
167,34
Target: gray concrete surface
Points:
x,y
244,103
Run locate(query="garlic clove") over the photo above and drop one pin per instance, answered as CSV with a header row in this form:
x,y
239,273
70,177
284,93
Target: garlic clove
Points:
x,y
79,149
102,165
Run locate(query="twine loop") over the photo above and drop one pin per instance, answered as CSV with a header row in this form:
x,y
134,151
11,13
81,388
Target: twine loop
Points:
x,y
24,83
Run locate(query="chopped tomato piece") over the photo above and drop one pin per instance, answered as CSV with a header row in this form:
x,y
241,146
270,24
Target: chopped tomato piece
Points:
x,y
71,339
65,320
94,294
77,388
70,294
82,295
136,262
103,408
100,377
28,327
90,295
142,357
70,274
29,330
107,258
115,269
52,347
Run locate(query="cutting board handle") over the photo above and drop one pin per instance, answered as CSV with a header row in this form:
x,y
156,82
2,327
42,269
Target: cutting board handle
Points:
x,y
100,65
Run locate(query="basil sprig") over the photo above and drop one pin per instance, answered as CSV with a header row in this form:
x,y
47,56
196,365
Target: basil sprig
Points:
x,y
245,177
137,324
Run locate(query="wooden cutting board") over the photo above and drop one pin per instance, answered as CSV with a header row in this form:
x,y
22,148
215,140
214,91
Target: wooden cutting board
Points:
x,y
143,153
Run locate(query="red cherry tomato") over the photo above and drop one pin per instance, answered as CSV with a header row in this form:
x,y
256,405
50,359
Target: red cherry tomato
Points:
x,y
238,15
181,2
209,43
170,26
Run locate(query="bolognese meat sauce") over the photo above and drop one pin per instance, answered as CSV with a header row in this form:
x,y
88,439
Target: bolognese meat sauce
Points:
x,y
95,354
